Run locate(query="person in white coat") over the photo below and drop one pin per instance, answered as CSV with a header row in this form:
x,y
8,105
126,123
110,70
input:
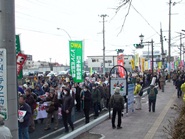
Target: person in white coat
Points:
x,y
4,131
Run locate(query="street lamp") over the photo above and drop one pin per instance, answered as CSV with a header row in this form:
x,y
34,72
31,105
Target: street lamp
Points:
x,y
65,32
141,37
152,42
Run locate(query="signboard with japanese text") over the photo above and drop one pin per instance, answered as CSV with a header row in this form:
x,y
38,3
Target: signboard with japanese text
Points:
x,y
3,84
76,60
131,98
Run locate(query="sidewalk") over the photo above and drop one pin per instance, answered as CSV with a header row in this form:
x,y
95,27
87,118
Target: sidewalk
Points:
x,y
142,124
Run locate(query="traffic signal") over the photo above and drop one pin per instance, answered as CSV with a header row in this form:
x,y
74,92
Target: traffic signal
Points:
x,y
137,46
119,50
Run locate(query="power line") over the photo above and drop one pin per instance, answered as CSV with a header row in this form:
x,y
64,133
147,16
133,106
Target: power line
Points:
x,y
145,20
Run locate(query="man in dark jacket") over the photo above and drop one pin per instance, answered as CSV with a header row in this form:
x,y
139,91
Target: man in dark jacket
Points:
x,y
78,100
32,103
117,103
86,103
24,121
179,82
67,105
152,95
96,97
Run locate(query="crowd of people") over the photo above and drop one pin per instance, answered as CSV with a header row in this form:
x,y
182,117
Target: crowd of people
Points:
x,y
93,93
61,93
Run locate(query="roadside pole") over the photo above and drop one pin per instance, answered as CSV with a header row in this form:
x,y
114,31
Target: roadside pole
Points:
x,y
7,46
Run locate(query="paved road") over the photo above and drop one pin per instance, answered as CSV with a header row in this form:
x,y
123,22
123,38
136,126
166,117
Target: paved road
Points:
x,y
143,124
39,131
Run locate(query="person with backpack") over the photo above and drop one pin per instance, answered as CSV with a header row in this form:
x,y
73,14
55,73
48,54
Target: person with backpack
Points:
x,y
137,90
152,95
117,103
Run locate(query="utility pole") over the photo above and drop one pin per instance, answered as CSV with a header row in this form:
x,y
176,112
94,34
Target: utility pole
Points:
x,y
180,47
103,16
169,42
152,42
162,50
7,43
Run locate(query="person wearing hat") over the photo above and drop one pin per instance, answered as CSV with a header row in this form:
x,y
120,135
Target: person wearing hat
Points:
x,y
152,95
117,103
67,105
52,109
4,131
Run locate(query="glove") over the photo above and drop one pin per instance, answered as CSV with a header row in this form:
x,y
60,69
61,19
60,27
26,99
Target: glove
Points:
x,y
21,120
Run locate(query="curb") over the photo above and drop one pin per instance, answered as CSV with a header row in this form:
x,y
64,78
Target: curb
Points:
x,y
85,128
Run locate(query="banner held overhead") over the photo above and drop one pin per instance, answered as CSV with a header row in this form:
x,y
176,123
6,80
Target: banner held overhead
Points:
x,y
76,60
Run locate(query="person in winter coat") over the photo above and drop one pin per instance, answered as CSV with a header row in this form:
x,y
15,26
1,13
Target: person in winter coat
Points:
x,y
67,105
152,96
24,122
179,82
78,91
52,109
32,103
86,103
117,103
4,131
137,96
96,97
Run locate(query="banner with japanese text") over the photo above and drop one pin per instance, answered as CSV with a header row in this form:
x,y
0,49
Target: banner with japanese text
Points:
x,y
120,61
76,60
142,64
137,60
146,65
133,64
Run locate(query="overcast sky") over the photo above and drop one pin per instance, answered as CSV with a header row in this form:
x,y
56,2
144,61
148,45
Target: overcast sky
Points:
x,y
37,22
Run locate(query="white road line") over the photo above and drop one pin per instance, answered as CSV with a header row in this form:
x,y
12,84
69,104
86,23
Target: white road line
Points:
x,y
159,120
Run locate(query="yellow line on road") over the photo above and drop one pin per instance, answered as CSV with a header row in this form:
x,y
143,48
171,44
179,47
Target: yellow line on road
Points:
x,y
159,120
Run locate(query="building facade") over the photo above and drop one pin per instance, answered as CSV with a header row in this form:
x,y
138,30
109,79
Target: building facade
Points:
x,y
96,62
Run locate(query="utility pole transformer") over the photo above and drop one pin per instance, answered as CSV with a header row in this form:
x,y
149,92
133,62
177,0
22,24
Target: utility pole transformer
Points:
x,y
103,16
7,42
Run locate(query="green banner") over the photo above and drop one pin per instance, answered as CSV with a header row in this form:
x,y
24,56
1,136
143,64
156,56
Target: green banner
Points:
x,y
76,60
18,50
17,44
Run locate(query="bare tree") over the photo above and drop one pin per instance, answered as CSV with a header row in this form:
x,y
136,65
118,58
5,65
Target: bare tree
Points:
x,y
123,3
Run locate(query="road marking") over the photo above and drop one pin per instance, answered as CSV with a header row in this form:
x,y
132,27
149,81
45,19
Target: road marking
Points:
x,y
159,120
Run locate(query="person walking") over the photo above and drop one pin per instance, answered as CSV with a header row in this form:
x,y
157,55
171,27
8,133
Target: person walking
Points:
x,y
137,89
78,100
52,109
152,95
86,103
179,82
117,103
4,131
96,97
67,105
162,82
23,122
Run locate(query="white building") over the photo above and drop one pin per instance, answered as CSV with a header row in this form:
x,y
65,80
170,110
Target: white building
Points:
x,y
96,62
